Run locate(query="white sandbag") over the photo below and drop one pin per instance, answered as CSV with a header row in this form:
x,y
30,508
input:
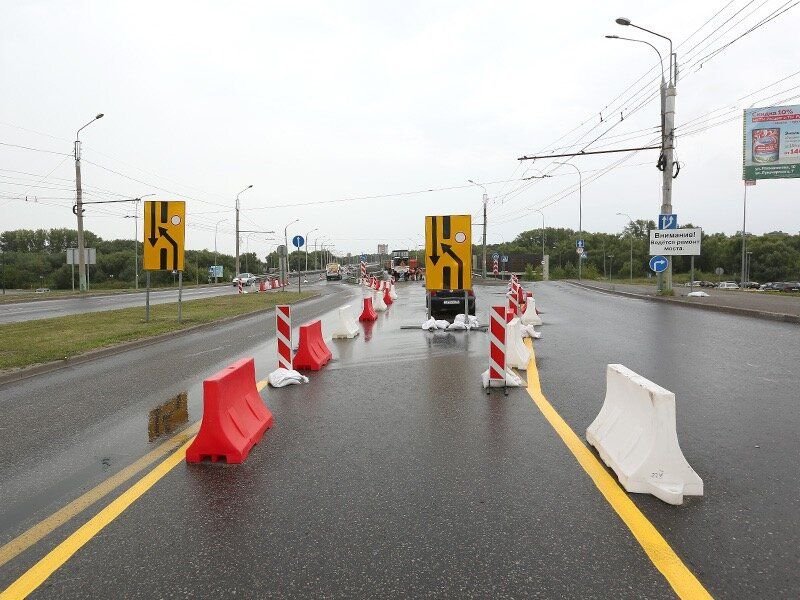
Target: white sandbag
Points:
x,y
429,325
530,317
517,353
512,380
282,377
697,295
442,323
460,325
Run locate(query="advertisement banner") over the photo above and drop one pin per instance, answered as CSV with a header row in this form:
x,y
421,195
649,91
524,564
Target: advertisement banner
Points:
x,y
771,142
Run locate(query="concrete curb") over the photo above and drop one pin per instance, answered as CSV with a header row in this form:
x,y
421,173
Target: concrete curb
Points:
x,y
733,310
40,369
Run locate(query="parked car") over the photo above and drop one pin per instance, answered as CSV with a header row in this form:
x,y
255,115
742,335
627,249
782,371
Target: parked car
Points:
x,y
245,278
787,286
707,284
451,302
693,284
728,285
750,285
766,287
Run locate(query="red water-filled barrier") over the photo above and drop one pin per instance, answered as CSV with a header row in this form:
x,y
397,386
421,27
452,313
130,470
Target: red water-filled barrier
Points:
x,y
312,352
368,314
234,416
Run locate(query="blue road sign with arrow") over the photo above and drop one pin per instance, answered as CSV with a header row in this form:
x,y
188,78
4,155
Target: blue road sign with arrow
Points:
x,y
495,256
504,259
363,258
580,244
658,264
667,221
298,241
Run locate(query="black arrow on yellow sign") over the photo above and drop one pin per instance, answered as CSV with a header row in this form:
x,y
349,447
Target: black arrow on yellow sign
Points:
x,y
435,242
163,257
448,250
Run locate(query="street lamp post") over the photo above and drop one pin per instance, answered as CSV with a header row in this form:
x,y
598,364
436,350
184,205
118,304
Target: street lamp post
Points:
x,y
237,227
631,236
541,213
611,268
666,161
485,202
580,208
216,279
308,234
286,246
79,206
135,217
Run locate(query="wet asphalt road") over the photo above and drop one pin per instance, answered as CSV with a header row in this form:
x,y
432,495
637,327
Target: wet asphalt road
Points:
x,y
45,309
392,474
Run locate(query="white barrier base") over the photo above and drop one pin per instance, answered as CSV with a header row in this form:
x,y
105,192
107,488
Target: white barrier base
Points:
x,y
392,293
346,327
377,302
517,354
530,317
635,435
512,380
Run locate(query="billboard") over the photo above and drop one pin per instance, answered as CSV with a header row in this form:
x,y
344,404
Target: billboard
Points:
x,y
771,142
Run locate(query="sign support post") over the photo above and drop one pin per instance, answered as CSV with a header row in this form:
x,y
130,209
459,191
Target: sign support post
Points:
x,y
180,293
691,281
147,300
165,235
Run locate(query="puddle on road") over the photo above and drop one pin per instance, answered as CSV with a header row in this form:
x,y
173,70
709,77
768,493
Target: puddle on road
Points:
x,y
167,417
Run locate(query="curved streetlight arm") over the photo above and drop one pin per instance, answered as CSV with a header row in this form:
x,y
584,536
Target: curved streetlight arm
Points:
x,y
627,22
479,185
660,59
77,133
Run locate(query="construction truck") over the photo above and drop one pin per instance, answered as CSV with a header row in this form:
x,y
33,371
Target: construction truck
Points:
x,y
401,267
333,271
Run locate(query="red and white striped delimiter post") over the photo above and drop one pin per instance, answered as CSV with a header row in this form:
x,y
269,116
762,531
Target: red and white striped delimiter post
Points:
x,y
363,272
513,297
497,346
283,329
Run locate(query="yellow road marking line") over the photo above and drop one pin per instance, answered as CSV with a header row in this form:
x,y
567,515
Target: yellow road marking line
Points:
x,y
27,539
682,580
53,560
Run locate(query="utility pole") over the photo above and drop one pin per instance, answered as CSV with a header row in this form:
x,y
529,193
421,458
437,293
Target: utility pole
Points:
x,y
485,203
237,228
541,213
78,208
669,150
666,161
307,242
580,209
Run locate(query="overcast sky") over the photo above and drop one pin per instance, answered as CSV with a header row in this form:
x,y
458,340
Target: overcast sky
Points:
x,y
313,102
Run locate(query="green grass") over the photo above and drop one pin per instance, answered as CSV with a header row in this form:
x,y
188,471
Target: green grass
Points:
x,y
45,340
53,294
